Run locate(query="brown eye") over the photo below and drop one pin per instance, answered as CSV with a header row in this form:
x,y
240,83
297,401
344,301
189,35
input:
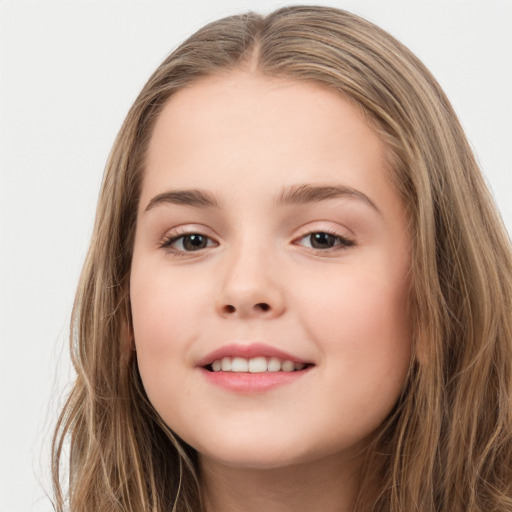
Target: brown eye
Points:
x,y
188,243
194,242
323,241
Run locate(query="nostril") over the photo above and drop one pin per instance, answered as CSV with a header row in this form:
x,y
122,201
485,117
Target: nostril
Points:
x,y
262,306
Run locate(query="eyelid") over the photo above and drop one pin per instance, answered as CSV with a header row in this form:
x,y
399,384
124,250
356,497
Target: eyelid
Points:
x,y
178,232
174,234
325,227
309,229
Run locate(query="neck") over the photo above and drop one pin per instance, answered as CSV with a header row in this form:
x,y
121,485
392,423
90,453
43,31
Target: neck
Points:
x,y
325,485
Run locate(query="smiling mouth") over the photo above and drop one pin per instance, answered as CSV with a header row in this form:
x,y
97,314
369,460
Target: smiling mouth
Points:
x,y
255,365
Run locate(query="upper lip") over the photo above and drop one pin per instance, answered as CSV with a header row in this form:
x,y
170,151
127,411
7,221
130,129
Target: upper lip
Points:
x,y
248,351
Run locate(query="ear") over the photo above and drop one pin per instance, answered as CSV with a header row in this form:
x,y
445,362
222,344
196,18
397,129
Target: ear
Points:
x,y
420,350
420,342
131,338
127,334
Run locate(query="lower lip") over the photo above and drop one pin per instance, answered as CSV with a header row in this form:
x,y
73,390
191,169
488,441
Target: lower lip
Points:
x,y
252,382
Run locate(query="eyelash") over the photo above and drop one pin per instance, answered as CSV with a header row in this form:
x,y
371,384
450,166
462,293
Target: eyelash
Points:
x,y
342,242
169,240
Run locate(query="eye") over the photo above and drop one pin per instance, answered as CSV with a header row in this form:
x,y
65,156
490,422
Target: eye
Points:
x,y
322,240
188,243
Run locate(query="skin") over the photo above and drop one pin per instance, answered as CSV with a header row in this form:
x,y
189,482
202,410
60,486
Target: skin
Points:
x,y
244,138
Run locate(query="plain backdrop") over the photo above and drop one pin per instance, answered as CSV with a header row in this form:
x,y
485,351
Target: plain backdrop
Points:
x,y
69,71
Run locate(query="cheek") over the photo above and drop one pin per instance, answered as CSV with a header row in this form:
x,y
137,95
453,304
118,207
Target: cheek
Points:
x,y
361,324
164,310
163,326
162,329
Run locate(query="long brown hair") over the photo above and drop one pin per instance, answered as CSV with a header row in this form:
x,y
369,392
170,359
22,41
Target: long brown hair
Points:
x,y
447,445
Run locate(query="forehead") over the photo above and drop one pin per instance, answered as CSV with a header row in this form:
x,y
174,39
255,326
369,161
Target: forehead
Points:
x,y
244,129
250,103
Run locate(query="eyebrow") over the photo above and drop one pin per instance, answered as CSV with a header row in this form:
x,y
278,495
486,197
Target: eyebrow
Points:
x,y
303,194
195,198
293,195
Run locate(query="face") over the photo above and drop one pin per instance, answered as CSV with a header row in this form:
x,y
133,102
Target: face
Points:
x,y
269,282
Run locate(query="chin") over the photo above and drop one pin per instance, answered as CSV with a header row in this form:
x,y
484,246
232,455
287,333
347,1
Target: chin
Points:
x,y
252,455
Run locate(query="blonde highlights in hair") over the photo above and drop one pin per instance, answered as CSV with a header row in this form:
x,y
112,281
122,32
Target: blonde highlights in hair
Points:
x,y
447,445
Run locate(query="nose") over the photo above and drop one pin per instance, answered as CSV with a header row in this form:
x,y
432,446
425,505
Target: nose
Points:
x,y
250,287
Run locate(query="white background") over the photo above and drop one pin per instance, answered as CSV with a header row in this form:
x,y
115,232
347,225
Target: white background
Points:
x,y
69,71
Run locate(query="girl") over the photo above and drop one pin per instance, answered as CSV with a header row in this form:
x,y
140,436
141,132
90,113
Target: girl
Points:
x,y
298,291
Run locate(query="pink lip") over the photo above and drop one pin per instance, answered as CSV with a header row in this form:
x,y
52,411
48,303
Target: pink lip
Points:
x,y
247,351
250,382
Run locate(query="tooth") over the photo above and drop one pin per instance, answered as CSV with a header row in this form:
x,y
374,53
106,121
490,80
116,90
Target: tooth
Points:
x,y
287,366
274,364
239,364
257,364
